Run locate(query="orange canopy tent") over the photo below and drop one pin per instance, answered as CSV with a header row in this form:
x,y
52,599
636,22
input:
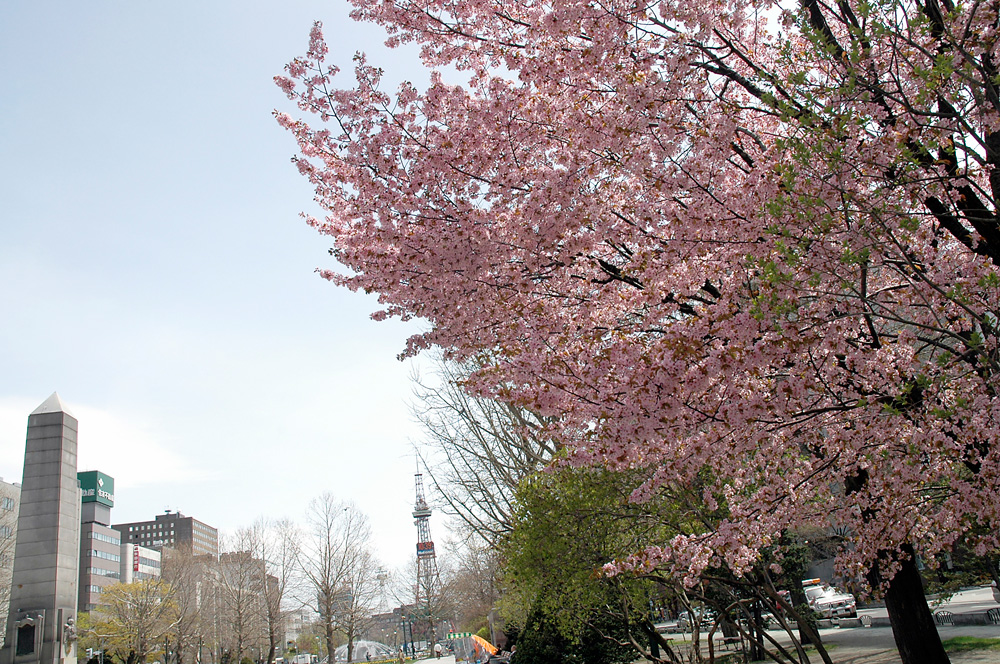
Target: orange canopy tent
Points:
x,y
490,648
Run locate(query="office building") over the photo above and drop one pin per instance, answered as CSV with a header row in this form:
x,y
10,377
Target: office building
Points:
x,y
10,498
104,558
100,544
174,530
140,563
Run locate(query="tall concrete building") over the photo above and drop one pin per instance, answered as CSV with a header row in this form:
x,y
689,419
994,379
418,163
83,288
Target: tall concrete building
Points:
x,y
10,498
174,530
41,623
104,558
100,544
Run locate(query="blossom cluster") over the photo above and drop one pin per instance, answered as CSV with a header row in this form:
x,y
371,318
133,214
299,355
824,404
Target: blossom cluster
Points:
x,y
705,242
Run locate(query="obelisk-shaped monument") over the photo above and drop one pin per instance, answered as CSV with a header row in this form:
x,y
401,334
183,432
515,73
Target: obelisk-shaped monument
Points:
x,y
41,627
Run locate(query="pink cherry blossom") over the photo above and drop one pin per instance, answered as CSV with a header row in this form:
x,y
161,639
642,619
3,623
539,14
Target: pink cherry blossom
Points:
x,y
726,239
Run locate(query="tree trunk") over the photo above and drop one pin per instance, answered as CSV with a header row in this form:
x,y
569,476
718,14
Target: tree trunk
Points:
x,y
756,645
913,625
330,649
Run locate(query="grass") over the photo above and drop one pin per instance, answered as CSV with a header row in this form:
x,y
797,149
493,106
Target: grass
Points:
x,y
966,643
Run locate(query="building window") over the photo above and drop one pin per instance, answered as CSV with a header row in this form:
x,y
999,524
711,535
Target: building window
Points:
x,y
97,571
7,503
106,538
97,553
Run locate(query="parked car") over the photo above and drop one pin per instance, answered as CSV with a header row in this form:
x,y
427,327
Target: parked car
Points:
x,y
828,601
685,621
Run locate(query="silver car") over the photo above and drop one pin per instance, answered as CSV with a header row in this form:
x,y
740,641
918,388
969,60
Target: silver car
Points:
x,y
830,602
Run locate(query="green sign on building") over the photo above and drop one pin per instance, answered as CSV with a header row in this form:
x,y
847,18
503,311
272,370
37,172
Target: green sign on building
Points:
x,y
97,487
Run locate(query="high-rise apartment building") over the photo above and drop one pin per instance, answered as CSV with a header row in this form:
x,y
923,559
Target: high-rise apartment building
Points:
x,y
174,530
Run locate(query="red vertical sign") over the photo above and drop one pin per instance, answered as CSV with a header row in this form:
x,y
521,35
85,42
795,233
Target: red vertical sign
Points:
x,y
135,559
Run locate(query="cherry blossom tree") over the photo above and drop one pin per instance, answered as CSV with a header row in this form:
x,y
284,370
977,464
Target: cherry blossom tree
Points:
x,y
742,240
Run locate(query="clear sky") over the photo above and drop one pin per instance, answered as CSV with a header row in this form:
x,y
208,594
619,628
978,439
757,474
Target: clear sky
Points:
x,y
154,270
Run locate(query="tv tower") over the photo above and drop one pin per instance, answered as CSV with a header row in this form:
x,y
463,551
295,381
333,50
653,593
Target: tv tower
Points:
x,y
428,578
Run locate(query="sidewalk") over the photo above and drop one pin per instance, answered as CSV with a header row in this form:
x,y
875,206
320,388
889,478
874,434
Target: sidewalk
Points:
x,y
875,645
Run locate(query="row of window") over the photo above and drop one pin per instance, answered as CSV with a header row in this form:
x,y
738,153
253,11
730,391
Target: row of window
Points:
x,y
106,538
149,562
151,526
104,572
104,554
93,589
155,541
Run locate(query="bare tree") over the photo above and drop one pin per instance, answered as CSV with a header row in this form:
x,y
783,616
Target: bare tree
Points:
x,y
190,578
477,450
358,599
423,604
334,558
240,580
277,548
471,581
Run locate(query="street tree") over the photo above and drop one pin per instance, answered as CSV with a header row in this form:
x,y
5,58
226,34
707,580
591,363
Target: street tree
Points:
x,y
568,524
276,546
192,591
471,581
476,450
240,581
359,597
135,619
334,558
755,241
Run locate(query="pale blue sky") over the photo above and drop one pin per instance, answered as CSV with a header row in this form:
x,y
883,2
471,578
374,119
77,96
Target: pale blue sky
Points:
x,y
154,270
